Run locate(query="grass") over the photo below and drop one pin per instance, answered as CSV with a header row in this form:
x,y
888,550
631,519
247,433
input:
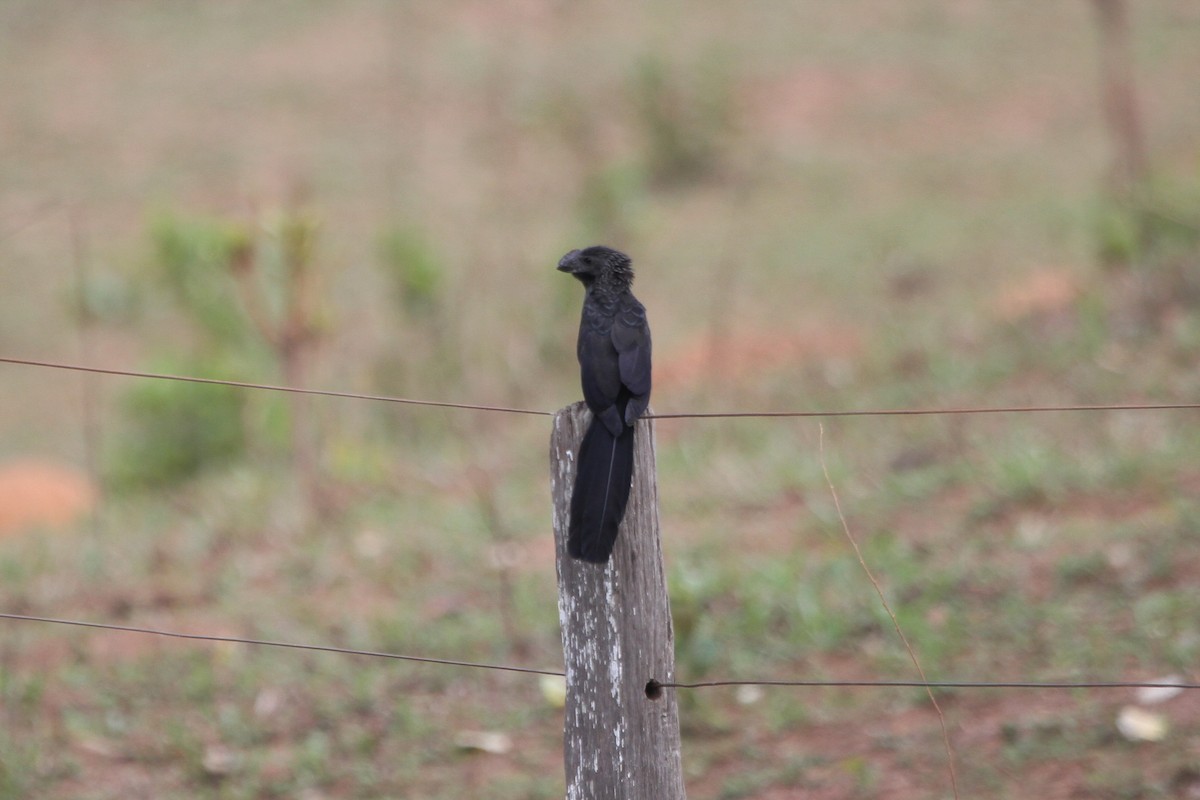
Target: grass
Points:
x,y
850,197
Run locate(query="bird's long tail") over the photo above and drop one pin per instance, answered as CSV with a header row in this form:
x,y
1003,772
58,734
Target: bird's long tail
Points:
x,y
602,482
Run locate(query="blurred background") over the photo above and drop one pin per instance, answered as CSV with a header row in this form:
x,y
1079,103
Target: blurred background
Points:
x,y
831,206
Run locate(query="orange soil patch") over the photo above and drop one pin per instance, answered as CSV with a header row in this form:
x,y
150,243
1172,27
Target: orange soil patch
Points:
x,y
37,494
1045,292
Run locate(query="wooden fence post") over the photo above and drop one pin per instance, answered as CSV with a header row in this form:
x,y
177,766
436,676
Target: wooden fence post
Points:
x,y
617,636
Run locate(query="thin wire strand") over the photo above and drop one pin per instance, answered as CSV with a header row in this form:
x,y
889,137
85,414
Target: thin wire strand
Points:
x,y
269,387
940,684
876,412
814,683
268,643
916,412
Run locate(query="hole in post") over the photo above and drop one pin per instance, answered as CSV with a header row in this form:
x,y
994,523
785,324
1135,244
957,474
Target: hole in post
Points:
x,y
654,689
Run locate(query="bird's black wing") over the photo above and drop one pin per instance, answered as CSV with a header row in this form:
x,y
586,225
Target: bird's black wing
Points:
x,y
631,339
599,368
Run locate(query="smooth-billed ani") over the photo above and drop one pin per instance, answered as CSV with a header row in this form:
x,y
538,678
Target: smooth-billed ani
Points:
x,y
614,365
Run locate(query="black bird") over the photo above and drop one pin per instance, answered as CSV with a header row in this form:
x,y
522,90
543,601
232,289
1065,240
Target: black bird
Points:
x,y
614,366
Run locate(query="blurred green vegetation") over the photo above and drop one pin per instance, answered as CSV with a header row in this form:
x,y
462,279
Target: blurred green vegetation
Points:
x,y
684,116
192,261
830,206
176,429
245,297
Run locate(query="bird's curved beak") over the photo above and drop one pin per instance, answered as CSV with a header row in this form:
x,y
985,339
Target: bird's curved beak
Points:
x,y
567,262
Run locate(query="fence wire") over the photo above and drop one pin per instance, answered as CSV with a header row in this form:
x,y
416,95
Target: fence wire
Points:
x,y
870,412
651,683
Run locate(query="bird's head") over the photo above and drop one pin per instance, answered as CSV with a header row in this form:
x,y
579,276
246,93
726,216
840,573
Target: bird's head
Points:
x,y
598,263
